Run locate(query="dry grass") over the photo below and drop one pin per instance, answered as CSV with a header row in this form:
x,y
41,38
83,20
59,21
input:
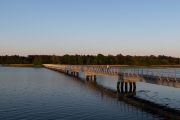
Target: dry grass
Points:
x,y
21,65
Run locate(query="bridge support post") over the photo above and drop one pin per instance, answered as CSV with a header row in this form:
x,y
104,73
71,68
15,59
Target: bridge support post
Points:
x,y
126,86
130,86
122,87
95,77
134,86
87,77
77,74
118,84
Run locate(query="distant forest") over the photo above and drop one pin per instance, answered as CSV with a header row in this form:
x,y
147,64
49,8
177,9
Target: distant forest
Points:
x,y
91,60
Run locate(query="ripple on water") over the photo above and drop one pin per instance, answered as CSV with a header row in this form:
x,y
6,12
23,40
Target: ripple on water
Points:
x,y
40,94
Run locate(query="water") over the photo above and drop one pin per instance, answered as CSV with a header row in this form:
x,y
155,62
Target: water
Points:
x,y
163,95
41,94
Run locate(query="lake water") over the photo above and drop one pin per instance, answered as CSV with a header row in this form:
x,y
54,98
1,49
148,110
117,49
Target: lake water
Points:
x,y
163,95
41,94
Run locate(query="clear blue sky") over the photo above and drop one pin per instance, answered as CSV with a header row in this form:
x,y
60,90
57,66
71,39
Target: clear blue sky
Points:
x,y
134,27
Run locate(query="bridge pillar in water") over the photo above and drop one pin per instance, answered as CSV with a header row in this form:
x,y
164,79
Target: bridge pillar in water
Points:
x,y
130,86
67,71
118,84
122,87
94,77
77,74
87,77
125,87
91,77
72,73
134,86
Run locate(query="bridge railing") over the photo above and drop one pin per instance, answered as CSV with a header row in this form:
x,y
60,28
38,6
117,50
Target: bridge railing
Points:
x,y
169,73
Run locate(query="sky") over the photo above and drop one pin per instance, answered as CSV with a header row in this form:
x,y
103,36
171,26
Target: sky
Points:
x,y
58,27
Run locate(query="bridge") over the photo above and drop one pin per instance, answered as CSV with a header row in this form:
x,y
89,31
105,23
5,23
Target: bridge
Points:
x,y
127,76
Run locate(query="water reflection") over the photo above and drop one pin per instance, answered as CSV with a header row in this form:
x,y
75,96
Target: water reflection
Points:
x,y
130,98
164,95
28,93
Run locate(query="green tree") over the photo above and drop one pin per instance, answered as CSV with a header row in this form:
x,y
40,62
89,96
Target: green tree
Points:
x,y
37,60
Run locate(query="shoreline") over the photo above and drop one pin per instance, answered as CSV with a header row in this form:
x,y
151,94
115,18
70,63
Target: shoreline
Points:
x,y
149,66
20,65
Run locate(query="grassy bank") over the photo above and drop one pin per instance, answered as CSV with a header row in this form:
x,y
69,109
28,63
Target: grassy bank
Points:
x,y
20,65
178,66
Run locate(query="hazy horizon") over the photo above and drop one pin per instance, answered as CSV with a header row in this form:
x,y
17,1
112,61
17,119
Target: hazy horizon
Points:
x,y
84,55
53,27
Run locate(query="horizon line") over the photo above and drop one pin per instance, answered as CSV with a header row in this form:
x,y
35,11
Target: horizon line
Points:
x,y
87,55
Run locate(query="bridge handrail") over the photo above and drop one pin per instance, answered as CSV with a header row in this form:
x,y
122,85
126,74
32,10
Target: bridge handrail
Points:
x,y
141,71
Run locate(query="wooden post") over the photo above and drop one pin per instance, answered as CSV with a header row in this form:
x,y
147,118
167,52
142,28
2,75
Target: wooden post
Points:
x,y
130,86
94,77
134,86
77,74
87,77
126,86
122,87
118,84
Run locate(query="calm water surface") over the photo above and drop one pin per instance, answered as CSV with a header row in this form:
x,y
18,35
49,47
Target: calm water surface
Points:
x,y
41,94
163,95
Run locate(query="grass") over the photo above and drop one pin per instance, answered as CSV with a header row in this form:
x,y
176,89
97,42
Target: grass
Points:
x,y
21,65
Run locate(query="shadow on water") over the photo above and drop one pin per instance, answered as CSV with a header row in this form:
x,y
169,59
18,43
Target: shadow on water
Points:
x,y
128,96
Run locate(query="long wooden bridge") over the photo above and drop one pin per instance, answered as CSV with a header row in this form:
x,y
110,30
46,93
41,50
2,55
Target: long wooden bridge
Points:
x,y
127,77
126,83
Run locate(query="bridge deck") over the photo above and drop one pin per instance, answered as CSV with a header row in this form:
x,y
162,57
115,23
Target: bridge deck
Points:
x,y
129,74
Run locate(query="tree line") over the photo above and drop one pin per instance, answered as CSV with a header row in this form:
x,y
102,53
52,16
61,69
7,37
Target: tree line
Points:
x,y
99,59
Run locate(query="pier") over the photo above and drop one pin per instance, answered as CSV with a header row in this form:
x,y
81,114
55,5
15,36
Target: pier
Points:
x,y
127,77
